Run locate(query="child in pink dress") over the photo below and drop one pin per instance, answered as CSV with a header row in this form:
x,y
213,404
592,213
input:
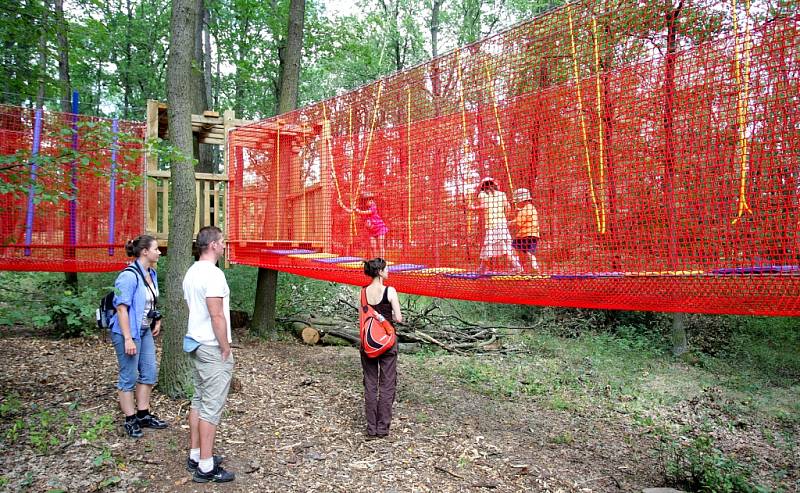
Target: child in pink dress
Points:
x,y
376,227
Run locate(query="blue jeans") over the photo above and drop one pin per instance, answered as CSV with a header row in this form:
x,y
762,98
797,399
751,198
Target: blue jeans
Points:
x,y
139,368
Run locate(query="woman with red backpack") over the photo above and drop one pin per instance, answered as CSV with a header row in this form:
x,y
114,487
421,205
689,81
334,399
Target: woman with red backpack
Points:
x,y
378,305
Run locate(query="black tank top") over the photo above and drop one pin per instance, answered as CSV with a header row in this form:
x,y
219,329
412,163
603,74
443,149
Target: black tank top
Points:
x,y
384,307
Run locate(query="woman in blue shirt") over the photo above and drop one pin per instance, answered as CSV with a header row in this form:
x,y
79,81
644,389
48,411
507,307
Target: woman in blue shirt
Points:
x,y
133,327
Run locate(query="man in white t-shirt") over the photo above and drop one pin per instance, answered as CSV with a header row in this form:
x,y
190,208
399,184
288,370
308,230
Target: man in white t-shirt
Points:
x,y
208,342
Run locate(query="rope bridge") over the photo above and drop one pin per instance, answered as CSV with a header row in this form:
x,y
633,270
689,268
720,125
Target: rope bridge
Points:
x,y
658,143
70,194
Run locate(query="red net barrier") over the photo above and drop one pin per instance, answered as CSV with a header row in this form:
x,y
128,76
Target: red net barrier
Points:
x,y
70,194
658,146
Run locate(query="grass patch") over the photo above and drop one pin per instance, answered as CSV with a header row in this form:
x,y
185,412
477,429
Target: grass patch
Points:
x,y
565,438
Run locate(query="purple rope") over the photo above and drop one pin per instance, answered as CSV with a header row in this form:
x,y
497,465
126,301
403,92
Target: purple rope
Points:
x,y
73,202
113,201
37,134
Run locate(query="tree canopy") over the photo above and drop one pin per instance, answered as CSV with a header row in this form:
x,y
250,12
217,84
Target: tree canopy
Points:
x,y
118,49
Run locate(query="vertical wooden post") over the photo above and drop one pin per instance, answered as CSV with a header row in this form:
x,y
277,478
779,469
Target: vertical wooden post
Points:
x,y
296,186
151,161
198,193
228,226
325,181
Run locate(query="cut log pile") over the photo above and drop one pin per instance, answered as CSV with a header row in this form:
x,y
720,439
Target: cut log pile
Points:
x,y
428,326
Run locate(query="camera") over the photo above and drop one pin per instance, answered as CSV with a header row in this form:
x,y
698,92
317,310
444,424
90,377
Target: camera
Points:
x,y
154,315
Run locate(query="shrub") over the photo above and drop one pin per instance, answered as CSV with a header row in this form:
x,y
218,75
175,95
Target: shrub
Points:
x,y
696,464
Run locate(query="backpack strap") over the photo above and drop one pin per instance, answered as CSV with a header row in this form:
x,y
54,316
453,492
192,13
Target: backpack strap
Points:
x,y
135,267
130,268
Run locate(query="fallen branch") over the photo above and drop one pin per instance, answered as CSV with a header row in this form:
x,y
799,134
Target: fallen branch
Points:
x,y
442,469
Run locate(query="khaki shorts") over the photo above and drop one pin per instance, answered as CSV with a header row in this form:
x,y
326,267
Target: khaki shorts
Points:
x,y
212,380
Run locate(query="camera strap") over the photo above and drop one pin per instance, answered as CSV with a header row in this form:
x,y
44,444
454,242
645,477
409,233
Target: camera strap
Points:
x,y
152,291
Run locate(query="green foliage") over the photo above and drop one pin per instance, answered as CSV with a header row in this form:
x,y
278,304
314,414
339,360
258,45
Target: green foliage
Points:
x,y
91,159
46,429
45,302
96,426
697,464
13,431
104,457
564,438
10,406
109,481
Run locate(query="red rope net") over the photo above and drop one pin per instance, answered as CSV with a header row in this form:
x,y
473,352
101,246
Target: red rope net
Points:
x,y
658,144
57,187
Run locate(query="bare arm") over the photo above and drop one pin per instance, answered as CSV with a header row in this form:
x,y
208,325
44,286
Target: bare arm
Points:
x,y
476,205
395,302
219,324
124,321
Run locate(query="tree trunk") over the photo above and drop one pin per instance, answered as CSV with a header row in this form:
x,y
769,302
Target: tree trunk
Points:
x,y
679,344
267,283
263,323
204,154
175,376
435,9
126,76
63,57
65,86
678,335
42,60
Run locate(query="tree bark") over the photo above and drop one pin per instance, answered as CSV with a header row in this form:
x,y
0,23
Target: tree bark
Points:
x,y
435,9
175,376
678,335
63,57
267,284
65,86
204,154
42,59
207,56
679,344
126,76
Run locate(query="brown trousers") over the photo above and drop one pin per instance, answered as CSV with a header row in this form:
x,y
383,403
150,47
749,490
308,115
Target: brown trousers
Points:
x,y
380,383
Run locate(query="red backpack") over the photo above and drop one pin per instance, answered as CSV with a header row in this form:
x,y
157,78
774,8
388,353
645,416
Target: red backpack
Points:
x,y
377,333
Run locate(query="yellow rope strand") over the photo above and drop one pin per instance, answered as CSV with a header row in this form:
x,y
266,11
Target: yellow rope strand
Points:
x,y
582,119
490,82
408,159
743,83
600,129
464,140
278,179
371,131
352,177
303,176
330,155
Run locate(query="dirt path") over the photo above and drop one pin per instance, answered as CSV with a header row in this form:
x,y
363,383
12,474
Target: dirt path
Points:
x,y
297,424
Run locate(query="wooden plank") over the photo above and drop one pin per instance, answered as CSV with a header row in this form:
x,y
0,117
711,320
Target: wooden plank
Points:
x,y
204,120
215,130
212,140
197,208
210,113
165,209
219,205
207,202
151,162
197,176
229,122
